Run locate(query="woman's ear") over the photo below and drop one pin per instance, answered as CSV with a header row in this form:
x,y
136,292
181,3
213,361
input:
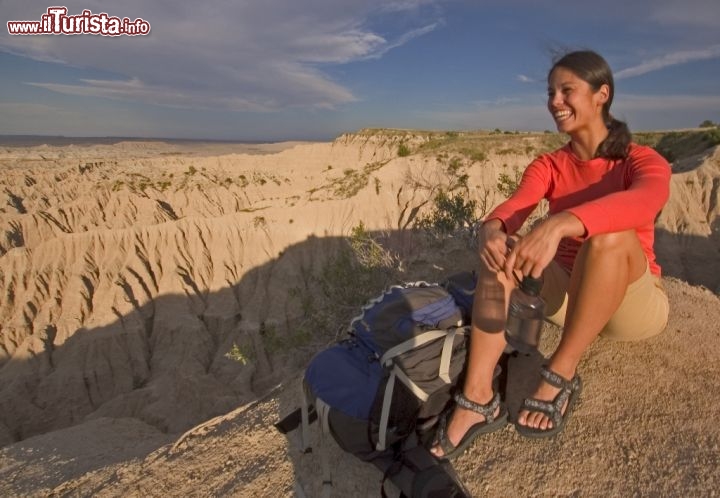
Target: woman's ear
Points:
x,y
603,93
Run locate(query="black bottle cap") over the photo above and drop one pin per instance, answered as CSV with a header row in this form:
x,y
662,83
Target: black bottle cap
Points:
x,y
531,285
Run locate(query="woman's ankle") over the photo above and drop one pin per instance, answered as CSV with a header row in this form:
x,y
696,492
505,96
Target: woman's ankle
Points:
x,y
482,395
563,367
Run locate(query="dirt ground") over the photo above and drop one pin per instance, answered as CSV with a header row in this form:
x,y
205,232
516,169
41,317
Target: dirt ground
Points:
x,y
646,426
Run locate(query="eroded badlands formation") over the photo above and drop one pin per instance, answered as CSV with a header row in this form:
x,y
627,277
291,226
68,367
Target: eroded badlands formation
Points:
x,y
129,271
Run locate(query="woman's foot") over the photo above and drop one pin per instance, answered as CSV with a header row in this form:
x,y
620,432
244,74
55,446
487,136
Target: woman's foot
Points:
x,y
469,419
540,420
545,413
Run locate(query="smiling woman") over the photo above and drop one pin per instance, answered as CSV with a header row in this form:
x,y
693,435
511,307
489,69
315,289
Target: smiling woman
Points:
x,y
594,252
581,89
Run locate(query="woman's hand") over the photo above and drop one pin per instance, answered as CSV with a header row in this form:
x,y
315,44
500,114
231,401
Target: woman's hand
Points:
x,y
492,245
533,252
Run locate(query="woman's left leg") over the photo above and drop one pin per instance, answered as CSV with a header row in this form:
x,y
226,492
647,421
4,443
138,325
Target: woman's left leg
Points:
x,y
604,268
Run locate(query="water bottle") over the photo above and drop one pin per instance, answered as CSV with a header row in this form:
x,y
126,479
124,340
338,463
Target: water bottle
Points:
x,y
525,316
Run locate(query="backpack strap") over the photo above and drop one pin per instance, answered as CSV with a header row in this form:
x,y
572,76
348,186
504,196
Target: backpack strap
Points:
x,y
385,412
327,482
424,338
300,417
398,373
446,357
323,410
303,417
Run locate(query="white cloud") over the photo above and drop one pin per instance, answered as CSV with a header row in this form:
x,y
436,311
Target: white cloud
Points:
x,y
136,91
338,47
524,79
405,38
252,56
405,5
667,60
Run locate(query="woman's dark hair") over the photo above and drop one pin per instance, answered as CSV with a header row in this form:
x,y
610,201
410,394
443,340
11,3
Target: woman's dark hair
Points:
x,y
592,68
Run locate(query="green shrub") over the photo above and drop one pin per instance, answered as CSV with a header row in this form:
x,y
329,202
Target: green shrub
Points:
x,y
507,185
403,150
679,145
329,298
454,166
236,353
366,250
353,181
474,155
450,213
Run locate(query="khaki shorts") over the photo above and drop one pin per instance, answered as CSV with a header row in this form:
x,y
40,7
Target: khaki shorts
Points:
x,y
643,312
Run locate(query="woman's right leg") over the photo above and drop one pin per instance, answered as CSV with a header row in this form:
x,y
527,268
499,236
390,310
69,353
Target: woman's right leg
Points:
x,y
606,265
487,343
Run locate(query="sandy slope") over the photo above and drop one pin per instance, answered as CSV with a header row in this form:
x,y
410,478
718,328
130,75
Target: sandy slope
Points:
x,y
129,271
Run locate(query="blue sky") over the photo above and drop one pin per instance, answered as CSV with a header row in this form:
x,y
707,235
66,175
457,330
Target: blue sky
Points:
x,y
313,69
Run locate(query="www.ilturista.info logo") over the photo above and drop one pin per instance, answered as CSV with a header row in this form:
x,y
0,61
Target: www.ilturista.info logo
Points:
x,y
57,22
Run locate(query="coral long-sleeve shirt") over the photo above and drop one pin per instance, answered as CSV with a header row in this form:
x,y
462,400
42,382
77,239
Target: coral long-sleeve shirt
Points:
x,y
606,195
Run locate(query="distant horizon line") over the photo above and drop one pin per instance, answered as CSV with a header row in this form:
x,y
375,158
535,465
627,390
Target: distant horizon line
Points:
x,y
8,139
4,137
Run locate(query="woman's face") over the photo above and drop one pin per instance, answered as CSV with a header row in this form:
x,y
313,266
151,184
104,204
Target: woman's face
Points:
x,y
572,102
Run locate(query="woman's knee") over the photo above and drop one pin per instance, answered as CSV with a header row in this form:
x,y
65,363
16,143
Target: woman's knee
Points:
x,y
613,248
613,241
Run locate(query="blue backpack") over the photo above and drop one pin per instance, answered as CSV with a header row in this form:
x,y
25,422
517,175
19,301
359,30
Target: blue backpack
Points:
x,y
390,379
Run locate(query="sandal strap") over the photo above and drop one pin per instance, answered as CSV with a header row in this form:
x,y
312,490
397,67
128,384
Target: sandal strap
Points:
x,y
557,380
553,409
442,440
488,410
